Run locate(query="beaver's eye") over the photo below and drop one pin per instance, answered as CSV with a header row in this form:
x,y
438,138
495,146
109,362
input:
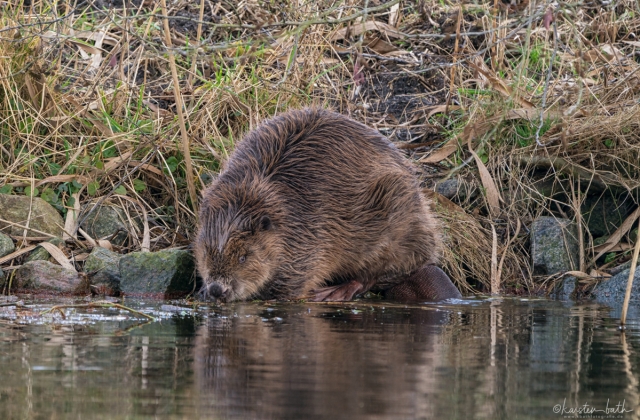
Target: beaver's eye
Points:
x,y
242,259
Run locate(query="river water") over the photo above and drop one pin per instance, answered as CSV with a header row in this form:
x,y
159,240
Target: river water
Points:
x,y
467,359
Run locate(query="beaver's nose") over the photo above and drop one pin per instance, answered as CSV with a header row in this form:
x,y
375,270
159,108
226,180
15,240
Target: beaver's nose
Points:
x,y
218,290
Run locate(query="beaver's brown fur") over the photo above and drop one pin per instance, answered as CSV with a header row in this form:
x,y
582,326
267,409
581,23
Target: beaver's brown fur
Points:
x,y
308,199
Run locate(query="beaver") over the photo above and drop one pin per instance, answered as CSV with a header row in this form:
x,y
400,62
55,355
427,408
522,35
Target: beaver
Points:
x,y
312,204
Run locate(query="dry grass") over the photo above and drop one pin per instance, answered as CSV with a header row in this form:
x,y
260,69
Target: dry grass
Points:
x,y
505,98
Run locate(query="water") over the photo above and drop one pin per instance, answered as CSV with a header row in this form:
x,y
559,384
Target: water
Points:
x,y
483,359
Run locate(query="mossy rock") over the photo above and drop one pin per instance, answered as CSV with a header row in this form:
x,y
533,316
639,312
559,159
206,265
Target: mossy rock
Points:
x,y
44,218
103,269
554,245
605,213
170,272
107,221
611,292
43,276
6,245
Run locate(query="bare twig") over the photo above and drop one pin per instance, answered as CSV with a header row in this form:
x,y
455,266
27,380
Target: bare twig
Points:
x,y
100,304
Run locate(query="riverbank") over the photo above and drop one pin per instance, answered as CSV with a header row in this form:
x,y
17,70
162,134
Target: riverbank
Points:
x,y
509,113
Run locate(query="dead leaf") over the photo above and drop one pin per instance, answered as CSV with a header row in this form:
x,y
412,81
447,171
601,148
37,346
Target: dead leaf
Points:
x,y
394,15
88,237
87,49
470,132
145,246
612,53
160,112
146,167
493,196
55,178
113,61
614,239
440,109
81,257
16,254
442,153
444,202
532,114
103,243
372,25
71,221
116,161
378,45
548,18
58,255
96,59
328,61
109,39
500,86
619,247
578,274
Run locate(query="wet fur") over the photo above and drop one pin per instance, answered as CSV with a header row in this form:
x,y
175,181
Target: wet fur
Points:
x,y
311,198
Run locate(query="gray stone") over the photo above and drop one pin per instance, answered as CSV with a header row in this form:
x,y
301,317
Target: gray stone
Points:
x,y
447,188
565,289
44,218
41,254
46,276
170,272
454,188
605,213
611,293
105,221
103,269
6,245
554,245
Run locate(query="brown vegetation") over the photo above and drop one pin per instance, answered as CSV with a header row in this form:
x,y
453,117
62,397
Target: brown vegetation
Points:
x,y
505,97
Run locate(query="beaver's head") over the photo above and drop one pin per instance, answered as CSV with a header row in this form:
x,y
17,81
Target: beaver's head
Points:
x,y
238,246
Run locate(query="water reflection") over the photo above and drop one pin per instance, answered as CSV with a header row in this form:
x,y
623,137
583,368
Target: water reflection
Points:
x,y
473,359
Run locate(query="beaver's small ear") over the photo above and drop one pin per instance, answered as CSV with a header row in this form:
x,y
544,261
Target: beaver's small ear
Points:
x,y
265,223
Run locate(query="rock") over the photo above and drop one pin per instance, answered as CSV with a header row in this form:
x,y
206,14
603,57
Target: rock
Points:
x,y
41,254
616,270
611,293
44,218
565,290
6,245
105,221
170,272
605,213
554,245
46,276
454,188
447,188
103,269
2,276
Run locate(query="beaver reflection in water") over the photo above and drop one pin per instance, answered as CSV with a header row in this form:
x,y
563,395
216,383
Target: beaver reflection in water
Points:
x,y
312,204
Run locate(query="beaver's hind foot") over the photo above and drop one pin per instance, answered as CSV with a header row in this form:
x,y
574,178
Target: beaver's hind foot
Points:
x,y
428,283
